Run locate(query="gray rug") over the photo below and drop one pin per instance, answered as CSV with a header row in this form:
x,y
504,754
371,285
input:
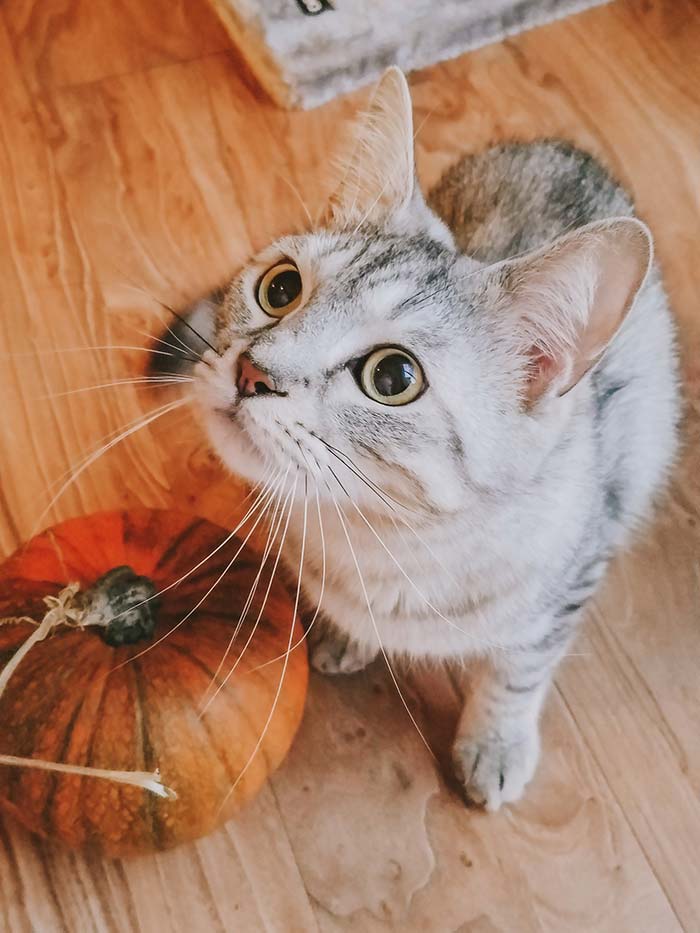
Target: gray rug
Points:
x,y
306,51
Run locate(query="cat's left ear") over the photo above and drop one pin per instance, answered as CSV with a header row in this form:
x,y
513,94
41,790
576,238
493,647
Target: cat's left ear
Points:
x,y
570,298
378,179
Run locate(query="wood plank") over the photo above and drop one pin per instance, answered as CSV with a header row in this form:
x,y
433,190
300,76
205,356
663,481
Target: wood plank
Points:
x,y
133,156
430,863
61,43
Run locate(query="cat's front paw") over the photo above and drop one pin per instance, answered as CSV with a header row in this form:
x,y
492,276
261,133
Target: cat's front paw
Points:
x,y
495,766
331,652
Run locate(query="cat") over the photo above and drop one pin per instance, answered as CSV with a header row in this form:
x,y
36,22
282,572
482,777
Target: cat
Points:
x,y
477,392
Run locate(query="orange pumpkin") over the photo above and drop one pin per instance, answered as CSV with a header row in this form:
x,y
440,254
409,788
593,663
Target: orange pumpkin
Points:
x,y
81,697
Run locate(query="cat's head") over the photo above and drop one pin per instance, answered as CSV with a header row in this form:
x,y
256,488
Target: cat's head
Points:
x,y
371,353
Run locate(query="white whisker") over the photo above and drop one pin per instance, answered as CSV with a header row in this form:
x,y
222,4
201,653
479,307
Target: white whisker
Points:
x,y
320,595
481,641
123,435
197,605
271,537
373,620
176,351
289,644
283,511
180,317
371,485
52,351
100,442
425,544
154,381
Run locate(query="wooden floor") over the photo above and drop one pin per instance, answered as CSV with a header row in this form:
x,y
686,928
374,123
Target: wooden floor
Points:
x,y
139,163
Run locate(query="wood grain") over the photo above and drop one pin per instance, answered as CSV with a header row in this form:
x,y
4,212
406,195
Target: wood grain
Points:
x,y
67,42
138,165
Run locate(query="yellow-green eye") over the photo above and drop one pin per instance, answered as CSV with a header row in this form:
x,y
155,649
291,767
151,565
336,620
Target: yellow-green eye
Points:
x,y
279,290
391,376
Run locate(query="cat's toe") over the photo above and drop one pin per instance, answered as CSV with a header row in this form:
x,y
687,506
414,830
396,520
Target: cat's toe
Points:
x,y
494,768
333,653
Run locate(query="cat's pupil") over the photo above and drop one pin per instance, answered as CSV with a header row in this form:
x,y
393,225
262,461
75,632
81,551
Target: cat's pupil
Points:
x,y
393,374
284,288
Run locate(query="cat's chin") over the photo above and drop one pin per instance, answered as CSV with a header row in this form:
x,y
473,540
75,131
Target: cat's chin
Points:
x,y
234,448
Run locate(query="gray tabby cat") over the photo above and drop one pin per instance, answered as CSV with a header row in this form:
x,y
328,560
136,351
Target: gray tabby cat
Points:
x,y
484,394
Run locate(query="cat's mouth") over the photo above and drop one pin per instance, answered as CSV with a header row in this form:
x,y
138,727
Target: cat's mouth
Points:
x,y
272,439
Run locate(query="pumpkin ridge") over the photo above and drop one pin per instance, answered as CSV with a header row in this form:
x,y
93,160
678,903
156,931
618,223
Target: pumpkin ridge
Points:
x,y
68,555
179,540
143,534
12,636
45,814
214,564
147,751
247,671
265,624
210,674
39,584
239,709
89,758
15,777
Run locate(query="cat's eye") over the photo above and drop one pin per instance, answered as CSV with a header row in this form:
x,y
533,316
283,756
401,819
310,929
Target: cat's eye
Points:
x,y
279,291
391,376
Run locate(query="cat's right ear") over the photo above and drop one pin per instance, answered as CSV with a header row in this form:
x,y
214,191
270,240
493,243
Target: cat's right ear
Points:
x,y
378,179
566,301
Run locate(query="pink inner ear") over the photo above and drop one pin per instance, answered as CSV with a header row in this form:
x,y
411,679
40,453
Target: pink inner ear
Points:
x,y
574,297
542,371
618,282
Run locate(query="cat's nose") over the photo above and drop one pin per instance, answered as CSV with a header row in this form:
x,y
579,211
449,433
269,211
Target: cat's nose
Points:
x,y
253,381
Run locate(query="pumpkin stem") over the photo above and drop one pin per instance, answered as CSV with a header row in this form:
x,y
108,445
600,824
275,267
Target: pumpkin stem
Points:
x,y
121,605
148,780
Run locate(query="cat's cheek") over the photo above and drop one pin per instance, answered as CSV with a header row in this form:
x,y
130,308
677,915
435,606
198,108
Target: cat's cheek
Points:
x,y
214,399
443,481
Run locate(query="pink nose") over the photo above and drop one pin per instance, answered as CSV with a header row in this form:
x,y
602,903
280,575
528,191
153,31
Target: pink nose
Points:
x,y
251,380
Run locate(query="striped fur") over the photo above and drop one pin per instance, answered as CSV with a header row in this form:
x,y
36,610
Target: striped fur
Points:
x,y
519,472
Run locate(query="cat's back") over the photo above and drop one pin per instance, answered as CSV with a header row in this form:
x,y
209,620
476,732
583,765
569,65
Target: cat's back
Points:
x,y
517,196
